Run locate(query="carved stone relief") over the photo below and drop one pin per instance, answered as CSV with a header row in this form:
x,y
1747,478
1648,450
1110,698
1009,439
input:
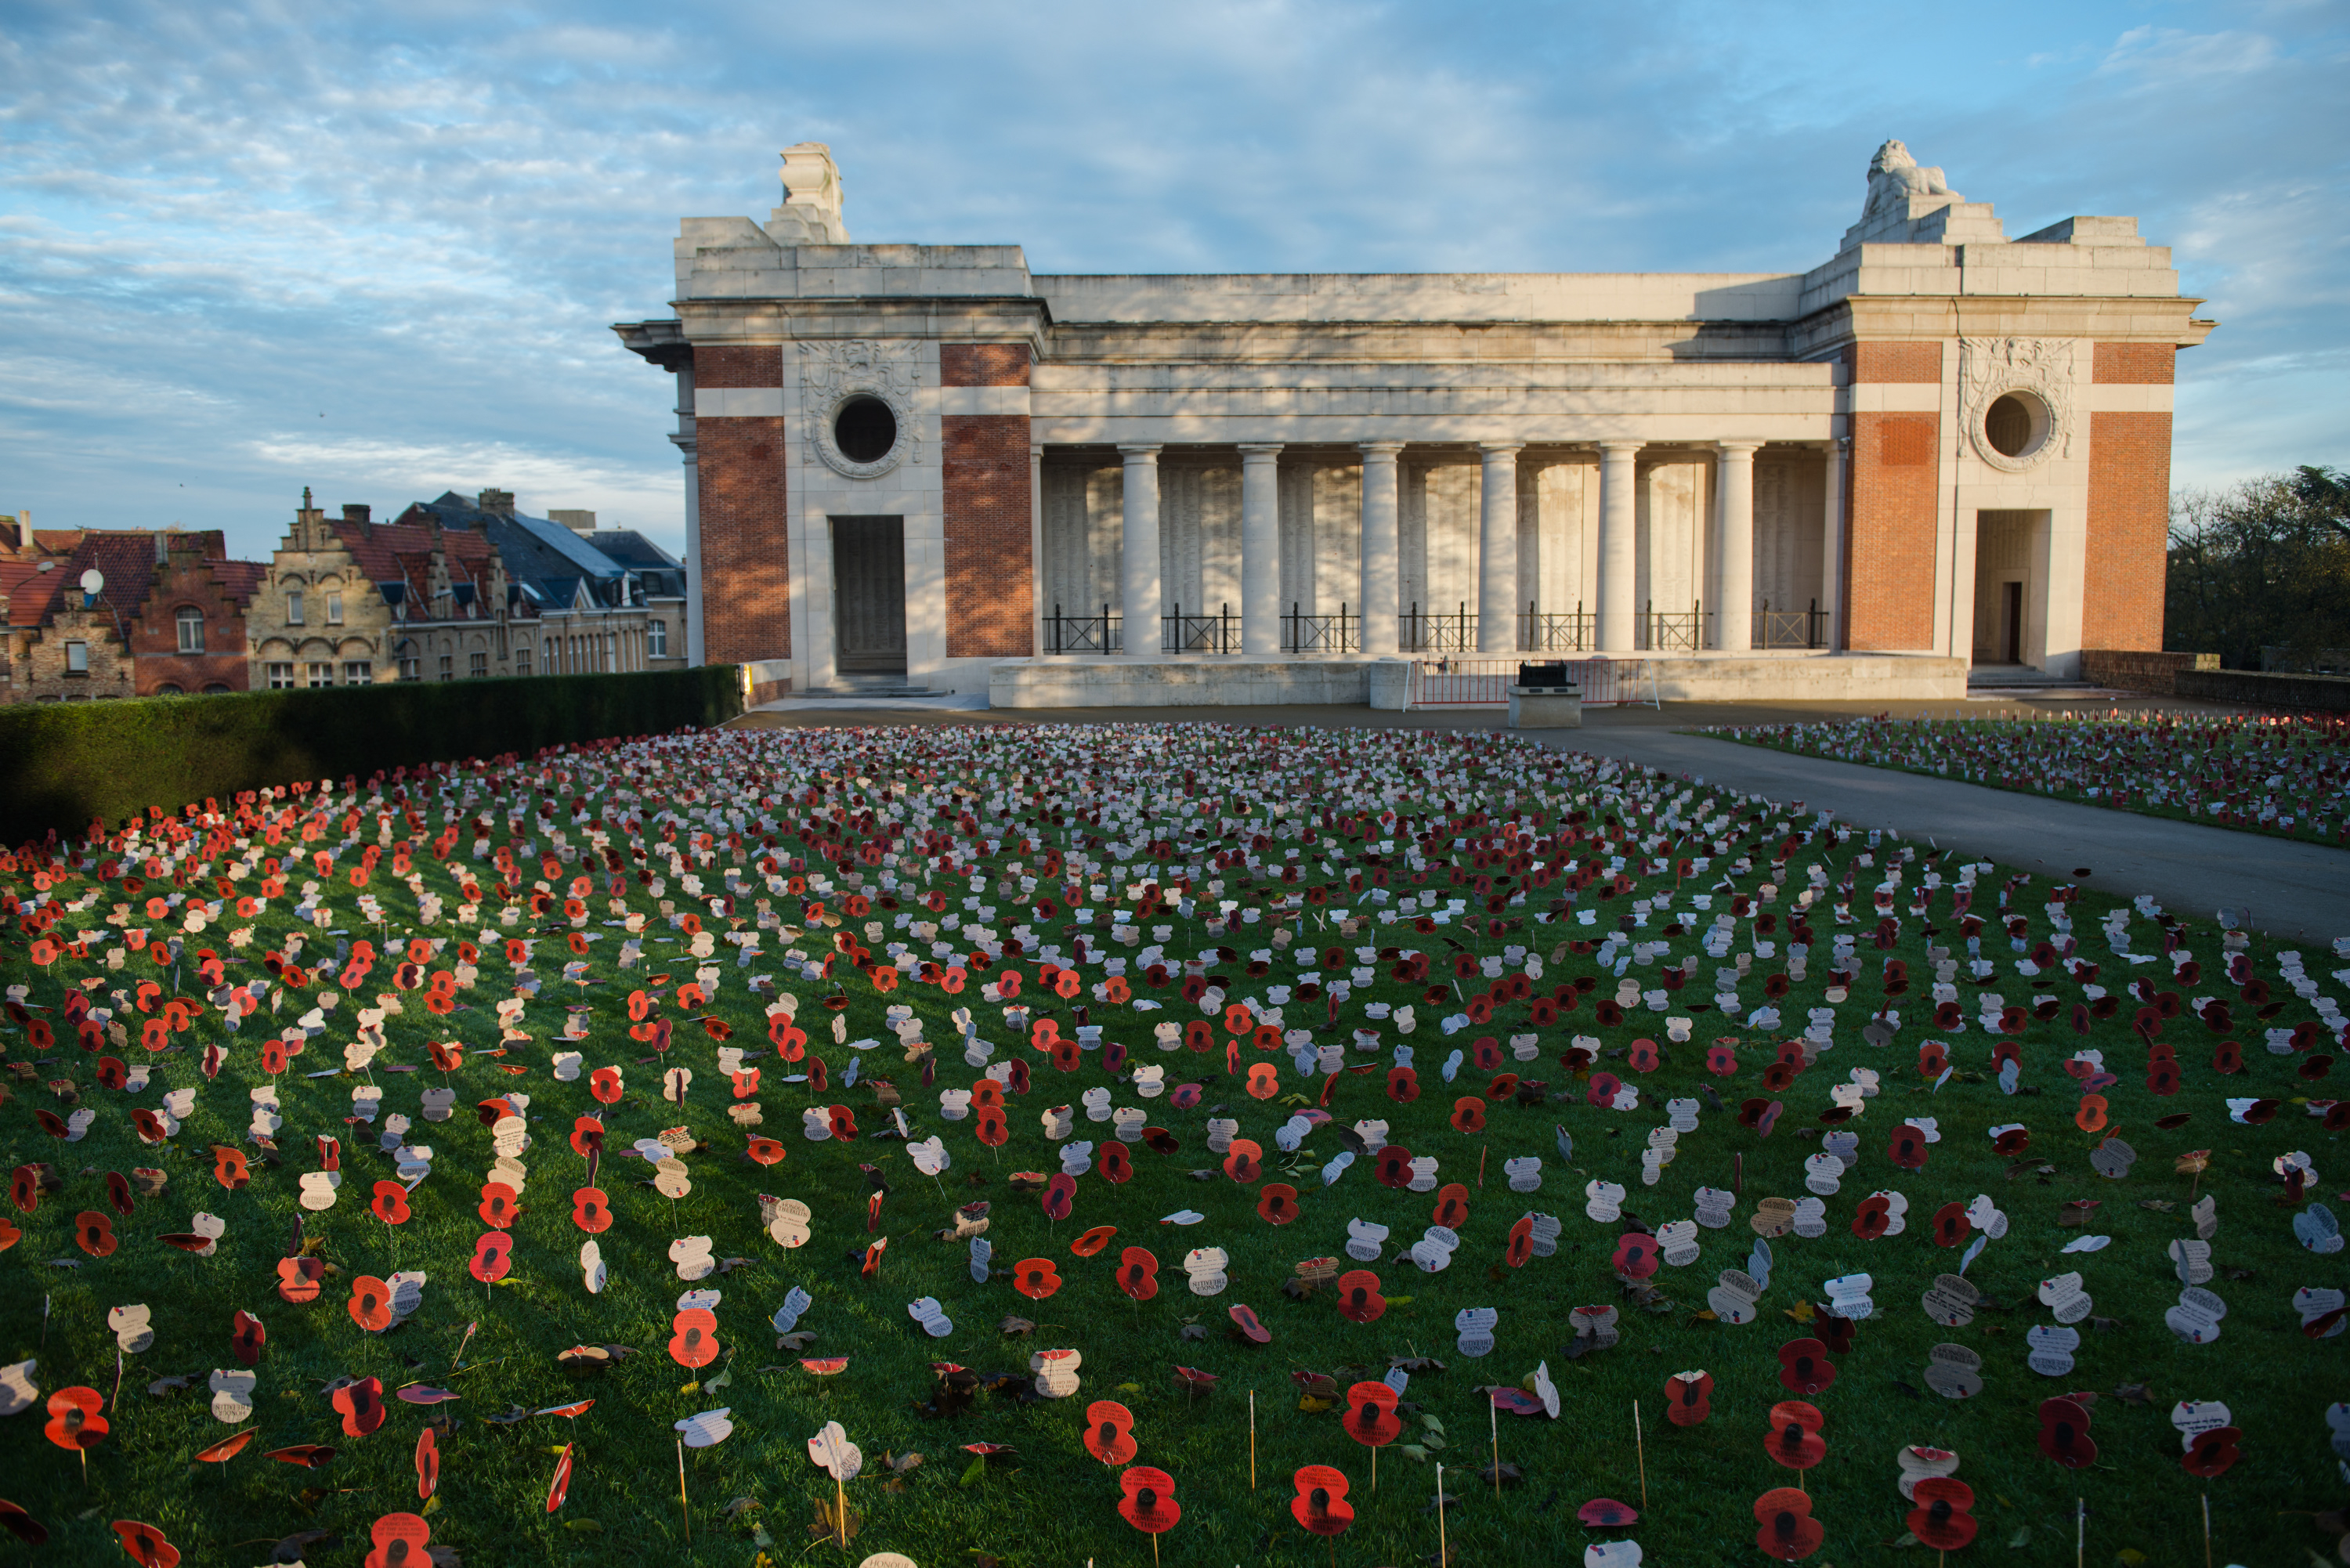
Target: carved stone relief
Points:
x,y
2040,367
835,370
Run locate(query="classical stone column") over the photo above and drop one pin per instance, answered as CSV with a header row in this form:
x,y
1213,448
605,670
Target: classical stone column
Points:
x,y
1619,550
1261,604
1036,547
1139,600
1497,548
1379,606
1733,617
1832,543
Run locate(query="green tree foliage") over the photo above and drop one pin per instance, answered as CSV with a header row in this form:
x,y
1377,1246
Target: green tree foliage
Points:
x,y
2263,564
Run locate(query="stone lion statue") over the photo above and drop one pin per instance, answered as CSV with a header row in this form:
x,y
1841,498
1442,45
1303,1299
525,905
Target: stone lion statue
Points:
x,y
1894,177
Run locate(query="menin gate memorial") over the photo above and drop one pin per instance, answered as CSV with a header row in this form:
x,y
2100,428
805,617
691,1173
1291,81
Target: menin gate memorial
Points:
x,y
925,465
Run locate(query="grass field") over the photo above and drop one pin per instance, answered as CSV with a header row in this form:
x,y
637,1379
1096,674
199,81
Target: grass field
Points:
x,y
2288,777
1167,799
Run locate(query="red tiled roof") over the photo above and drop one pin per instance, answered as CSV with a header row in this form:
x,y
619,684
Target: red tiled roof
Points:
x,y
241,579
127,561
402,552
27,588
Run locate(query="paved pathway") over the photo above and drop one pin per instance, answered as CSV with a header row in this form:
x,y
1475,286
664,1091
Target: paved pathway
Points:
x,y
2297,892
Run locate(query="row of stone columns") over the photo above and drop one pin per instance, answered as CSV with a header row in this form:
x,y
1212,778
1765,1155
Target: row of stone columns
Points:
x,y
1497,546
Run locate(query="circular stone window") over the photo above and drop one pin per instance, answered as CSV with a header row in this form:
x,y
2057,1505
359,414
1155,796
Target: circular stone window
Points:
x,y
866,429
2016,425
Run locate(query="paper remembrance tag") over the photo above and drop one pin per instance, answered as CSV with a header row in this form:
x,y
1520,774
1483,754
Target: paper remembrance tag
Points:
x,y
1475,1325
1713,1206
1677,1242
2196,1318
1954,1372
1606,1200
1525,1173
2052,1349
1543,1235
2193,1260
2064,1298
1364,1240
1055,1372
2194,1417
1811,1217
1823,1174
1734,1297
1950,1301
1848,1294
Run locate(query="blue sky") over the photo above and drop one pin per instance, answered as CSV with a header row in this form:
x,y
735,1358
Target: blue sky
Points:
x,y
375,248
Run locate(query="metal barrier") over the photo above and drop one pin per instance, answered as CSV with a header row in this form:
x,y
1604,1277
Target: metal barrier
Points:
x,y
1486,683
1418,633
1541,632
1340,633
1218,633
1082,633
1790,629
1671,632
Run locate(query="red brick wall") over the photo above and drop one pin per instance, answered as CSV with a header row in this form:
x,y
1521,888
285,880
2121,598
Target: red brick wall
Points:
x,y
738,367
2124,567
2135,364
155,627
991,577
982,364
1910,362
1890,567
746,571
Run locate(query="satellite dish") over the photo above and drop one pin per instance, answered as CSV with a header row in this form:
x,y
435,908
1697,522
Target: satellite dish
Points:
x,y
93,581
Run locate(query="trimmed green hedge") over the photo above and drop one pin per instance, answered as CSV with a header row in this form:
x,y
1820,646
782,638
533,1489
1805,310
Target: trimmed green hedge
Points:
x,y
63,764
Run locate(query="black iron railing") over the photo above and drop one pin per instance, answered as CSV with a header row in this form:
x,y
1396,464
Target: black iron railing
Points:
x,y
1790,629
1218,633
1300,633
1455,633
1081,633
1673,631
1546,632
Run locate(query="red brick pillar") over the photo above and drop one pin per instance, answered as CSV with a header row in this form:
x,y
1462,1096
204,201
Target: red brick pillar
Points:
x,y
2126,565
990,570
1890,573
746,565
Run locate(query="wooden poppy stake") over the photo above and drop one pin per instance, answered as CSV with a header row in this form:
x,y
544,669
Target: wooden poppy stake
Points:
x,y
2207,1530
1493,1424
2080,1530
2207,1507
683,1510
1641,1446
1443,1553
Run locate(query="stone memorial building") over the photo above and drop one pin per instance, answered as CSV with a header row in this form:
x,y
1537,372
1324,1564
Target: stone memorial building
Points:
x,y
925,466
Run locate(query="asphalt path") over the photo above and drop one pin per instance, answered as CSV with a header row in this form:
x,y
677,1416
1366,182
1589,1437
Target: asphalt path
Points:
x,y
2294,891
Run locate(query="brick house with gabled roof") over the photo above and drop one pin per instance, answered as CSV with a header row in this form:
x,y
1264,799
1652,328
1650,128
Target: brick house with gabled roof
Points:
x,y
167,619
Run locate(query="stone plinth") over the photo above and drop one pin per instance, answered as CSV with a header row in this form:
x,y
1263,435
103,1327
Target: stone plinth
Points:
x,y
1064,682
1545,707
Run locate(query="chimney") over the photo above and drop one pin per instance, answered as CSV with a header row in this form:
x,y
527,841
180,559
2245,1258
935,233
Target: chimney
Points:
x,y
577,521
12,531
356,518
500,501
163,549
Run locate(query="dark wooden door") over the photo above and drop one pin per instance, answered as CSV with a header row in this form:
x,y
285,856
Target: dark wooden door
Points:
x,y
2010,615
869,594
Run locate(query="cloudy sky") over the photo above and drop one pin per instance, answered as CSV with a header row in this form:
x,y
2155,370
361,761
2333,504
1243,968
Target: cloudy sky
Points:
x,y
374,248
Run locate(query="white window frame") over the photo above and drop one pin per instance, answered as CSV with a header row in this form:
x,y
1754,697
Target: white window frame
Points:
x,y
190,622
279,673
319,674
294,608
358,672
333,609
77,659
657,640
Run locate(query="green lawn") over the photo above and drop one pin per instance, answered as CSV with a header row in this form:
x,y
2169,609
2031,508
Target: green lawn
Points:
x,y
1051,1506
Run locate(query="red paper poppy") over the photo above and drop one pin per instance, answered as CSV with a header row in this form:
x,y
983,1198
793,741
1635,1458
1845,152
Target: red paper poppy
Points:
x,y
1109,1432
1403,1086
1060,1195
1468,1113
1246,1324
1688,1398
76,1419
1452,1205
693,1338
389,1203
988,1125
1321,1505
1244,1161
1276,1203
399,1540
1641,1055
604,1082
497,1205
1370,1419
371,1304
1907,1148
1876,1212
1788,1532
229,1167
1795,1441
766,1150
1149,1502
24,1188
1116,1165
145,1544
492,1256
1137,1273
1036,1278
1359,1296
1941,1520
1804,1367
2209,1454
94,1233
297,1279
361,1404
2065,1433
1759,1115
1093,1240
246,1336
